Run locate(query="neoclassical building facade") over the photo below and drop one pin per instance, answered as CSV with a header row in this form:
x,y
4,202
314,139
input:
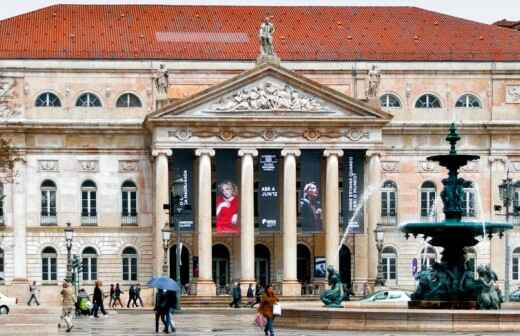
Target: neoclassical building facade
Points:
x,y
270,169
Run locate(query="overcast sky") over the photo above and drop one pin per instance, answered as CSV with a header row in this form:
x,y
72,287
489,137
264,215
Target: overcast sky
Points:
x,y
487,11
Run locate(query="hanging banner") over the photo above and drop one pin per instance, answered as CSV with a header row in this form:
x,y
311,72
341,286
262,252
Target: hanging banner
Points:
x,y
353,168
181,177
227,200
268,208
310,197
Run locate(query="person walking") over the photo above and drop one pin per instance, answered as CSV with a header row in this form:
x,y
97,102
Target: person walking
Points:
x,y
33,290
117,296
137,296
258,293
236,296
160,308
171,298
98,300
131,297
266,309
67,306
111,301
250,296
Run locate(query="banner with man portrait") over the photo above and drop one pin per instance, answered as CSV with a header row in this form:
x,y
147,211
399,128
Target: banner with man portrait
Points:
x,y
310,211
353,176
227,200
268,204
181,191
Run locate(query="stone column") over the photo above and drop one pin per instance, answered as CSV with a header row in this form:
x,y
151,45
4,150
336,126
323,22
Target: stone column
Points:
x,y
332,206
19,221
374,213
247,218
498,246
205,283
290,285
161,198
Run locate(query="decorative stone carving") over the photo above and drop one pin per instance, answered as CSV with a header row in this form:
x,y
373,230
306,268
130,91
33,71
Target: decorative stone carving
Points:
x,y
513,94
88,166
128,166
227,134
390,166
427,167
266,37
471,167
182,134
269,97
374,77
356,134
311,134
48,165
161,82
7,99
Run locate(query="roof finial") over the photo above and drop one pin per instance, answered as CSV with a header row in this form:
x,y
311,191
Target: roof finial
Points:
x,y
267,54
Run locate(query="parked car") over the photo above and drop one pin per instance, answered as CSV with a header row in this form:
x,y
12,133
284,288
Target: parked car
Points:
x,y
6,304
384,296
515,295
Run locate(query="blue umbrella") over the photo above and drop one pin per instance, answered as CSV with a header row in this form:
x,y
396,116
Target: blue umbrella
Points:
x,y
163,283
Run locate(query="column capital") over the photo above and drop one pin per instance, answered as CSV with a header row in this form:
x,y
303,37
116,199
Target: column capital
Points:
x,y
333,152
497,158
291,151
372,153
204,151
161,151
247,151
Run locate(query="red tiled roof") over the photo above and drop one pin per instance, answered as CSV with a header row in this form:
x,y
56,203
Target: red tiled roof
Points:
x,y
230,33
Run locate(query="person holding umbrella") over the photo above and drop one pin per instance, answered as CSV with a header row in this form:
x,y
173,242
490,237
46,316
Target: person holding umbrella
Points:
x,y
163,305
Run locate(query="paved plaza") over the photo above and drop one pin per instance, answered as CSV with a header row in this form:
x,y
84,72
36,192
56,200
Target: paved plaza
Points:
x,y
225,322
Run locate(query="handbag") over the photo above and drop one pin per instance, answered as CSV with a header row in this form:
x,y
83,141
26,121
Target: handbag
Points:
x,y
260,320
277,309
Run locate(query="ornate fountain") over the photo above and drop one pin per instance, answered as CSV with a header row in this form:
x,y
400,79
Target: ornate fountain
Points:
x,y
451,283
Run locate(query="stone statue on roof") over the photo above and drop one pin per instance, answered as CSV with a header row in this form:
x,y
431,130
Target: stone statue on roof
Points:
x,y
374,77
161,82
266,37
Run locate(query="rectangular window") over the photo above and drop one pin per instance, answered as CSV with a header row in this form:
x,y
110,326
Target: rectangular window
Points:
x,y
45,269
125,269
93,269
427,203
468,207
129,268
392,266
134,269
54,271
515,268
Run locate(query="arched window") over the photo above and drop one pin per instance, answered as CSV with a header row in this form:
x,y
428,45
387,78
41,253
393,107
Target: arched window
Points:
x,y
428,257
88,100
49,264
389,203
516,260
389,100
88,203
389,261
468,101
48,205
48,99
89,264
129,264
129,203
428,101
128,100
428,193
2,204
468,207
2,265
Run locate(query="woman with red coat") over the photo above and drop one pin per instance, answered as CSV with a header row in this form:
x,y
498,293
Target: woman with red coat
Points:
x,y
227,208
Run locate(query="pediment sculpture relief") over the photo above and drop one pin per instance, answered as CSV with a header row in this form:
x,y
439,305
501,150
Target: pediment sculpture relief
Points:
x,y
269,97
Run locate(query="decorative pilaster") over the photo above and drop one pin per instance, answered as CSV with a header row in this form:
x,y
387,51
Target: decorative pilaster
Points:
x,y
332,206
290,285
374,212
205,283
19,220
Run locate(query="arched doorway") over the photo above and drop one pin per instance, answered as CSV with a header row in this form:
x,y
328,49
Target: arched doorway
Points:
x,y
344,265
184,267
221,269
262,264
303,260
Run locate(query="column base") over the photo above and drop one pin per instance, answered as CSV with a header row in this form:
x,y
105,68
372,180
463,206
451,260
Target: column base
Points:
x,y
206,288
360,288
291,288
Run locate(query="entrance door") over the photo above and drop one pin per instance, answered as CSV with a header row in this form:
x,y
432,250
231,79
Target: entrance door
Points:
x,y
221,268
303,264
344,266
184,267
262,265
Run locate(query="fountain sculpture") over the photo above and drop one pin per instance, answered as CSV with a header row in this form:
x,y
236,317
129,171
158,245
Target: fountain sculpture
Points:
x,y
451,283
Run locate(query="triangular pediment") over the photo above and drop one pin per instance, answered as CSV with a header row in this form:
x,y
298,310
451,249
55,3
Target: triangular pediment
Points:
x,y
271,92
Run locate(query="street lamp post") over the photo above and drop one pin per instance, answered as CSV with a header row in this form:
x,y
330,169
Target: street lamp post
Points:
x,y
69,234
379,236
506,192
166,236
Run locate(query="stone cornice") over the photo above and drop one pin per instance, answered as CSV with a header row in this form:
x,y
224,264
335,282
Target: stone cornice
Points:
x,y
433,127
74,127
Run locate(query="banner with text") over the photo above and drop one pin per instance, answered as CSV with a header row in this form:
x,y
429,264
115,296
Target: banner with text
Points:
x,y
310,194
227,200
268,205
353,176
181,177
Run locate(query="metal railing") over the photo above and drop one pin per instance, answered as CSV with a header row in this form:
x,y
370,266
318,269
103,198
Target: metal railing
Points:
x,y
88,220
388,220
48,220
129,220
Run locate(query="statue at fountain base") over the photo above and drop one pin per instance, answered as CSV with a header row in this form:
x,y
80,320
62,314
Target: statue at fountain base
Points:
x,y
332,297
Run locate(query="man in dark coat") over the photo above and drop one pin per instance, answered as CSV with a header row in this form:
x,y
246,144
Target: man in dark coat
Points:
x,y
131,297
161,307
97,300
236,295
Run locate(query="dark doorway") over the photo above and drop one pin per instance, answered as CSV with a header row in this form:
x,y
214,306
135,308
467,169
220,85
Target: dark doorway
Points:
x,y
185,264
303,264
221,270
344,265
262,265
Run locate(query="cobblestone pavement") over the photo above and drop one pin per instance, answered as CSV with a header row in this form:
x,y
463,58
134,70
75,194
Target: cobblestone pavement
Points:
x,y
190,323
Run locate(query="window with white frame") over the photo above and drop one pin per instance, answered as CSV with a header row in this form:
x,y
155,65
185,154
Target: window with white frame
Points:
x,y
468,101
2,266
2,196
129,264
428,194
88,203
89,264
49,265
48,203
88,100
428,257
389,261
129,202
516,259
428,101
48,99
389,203
468,205
127,100
389,100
